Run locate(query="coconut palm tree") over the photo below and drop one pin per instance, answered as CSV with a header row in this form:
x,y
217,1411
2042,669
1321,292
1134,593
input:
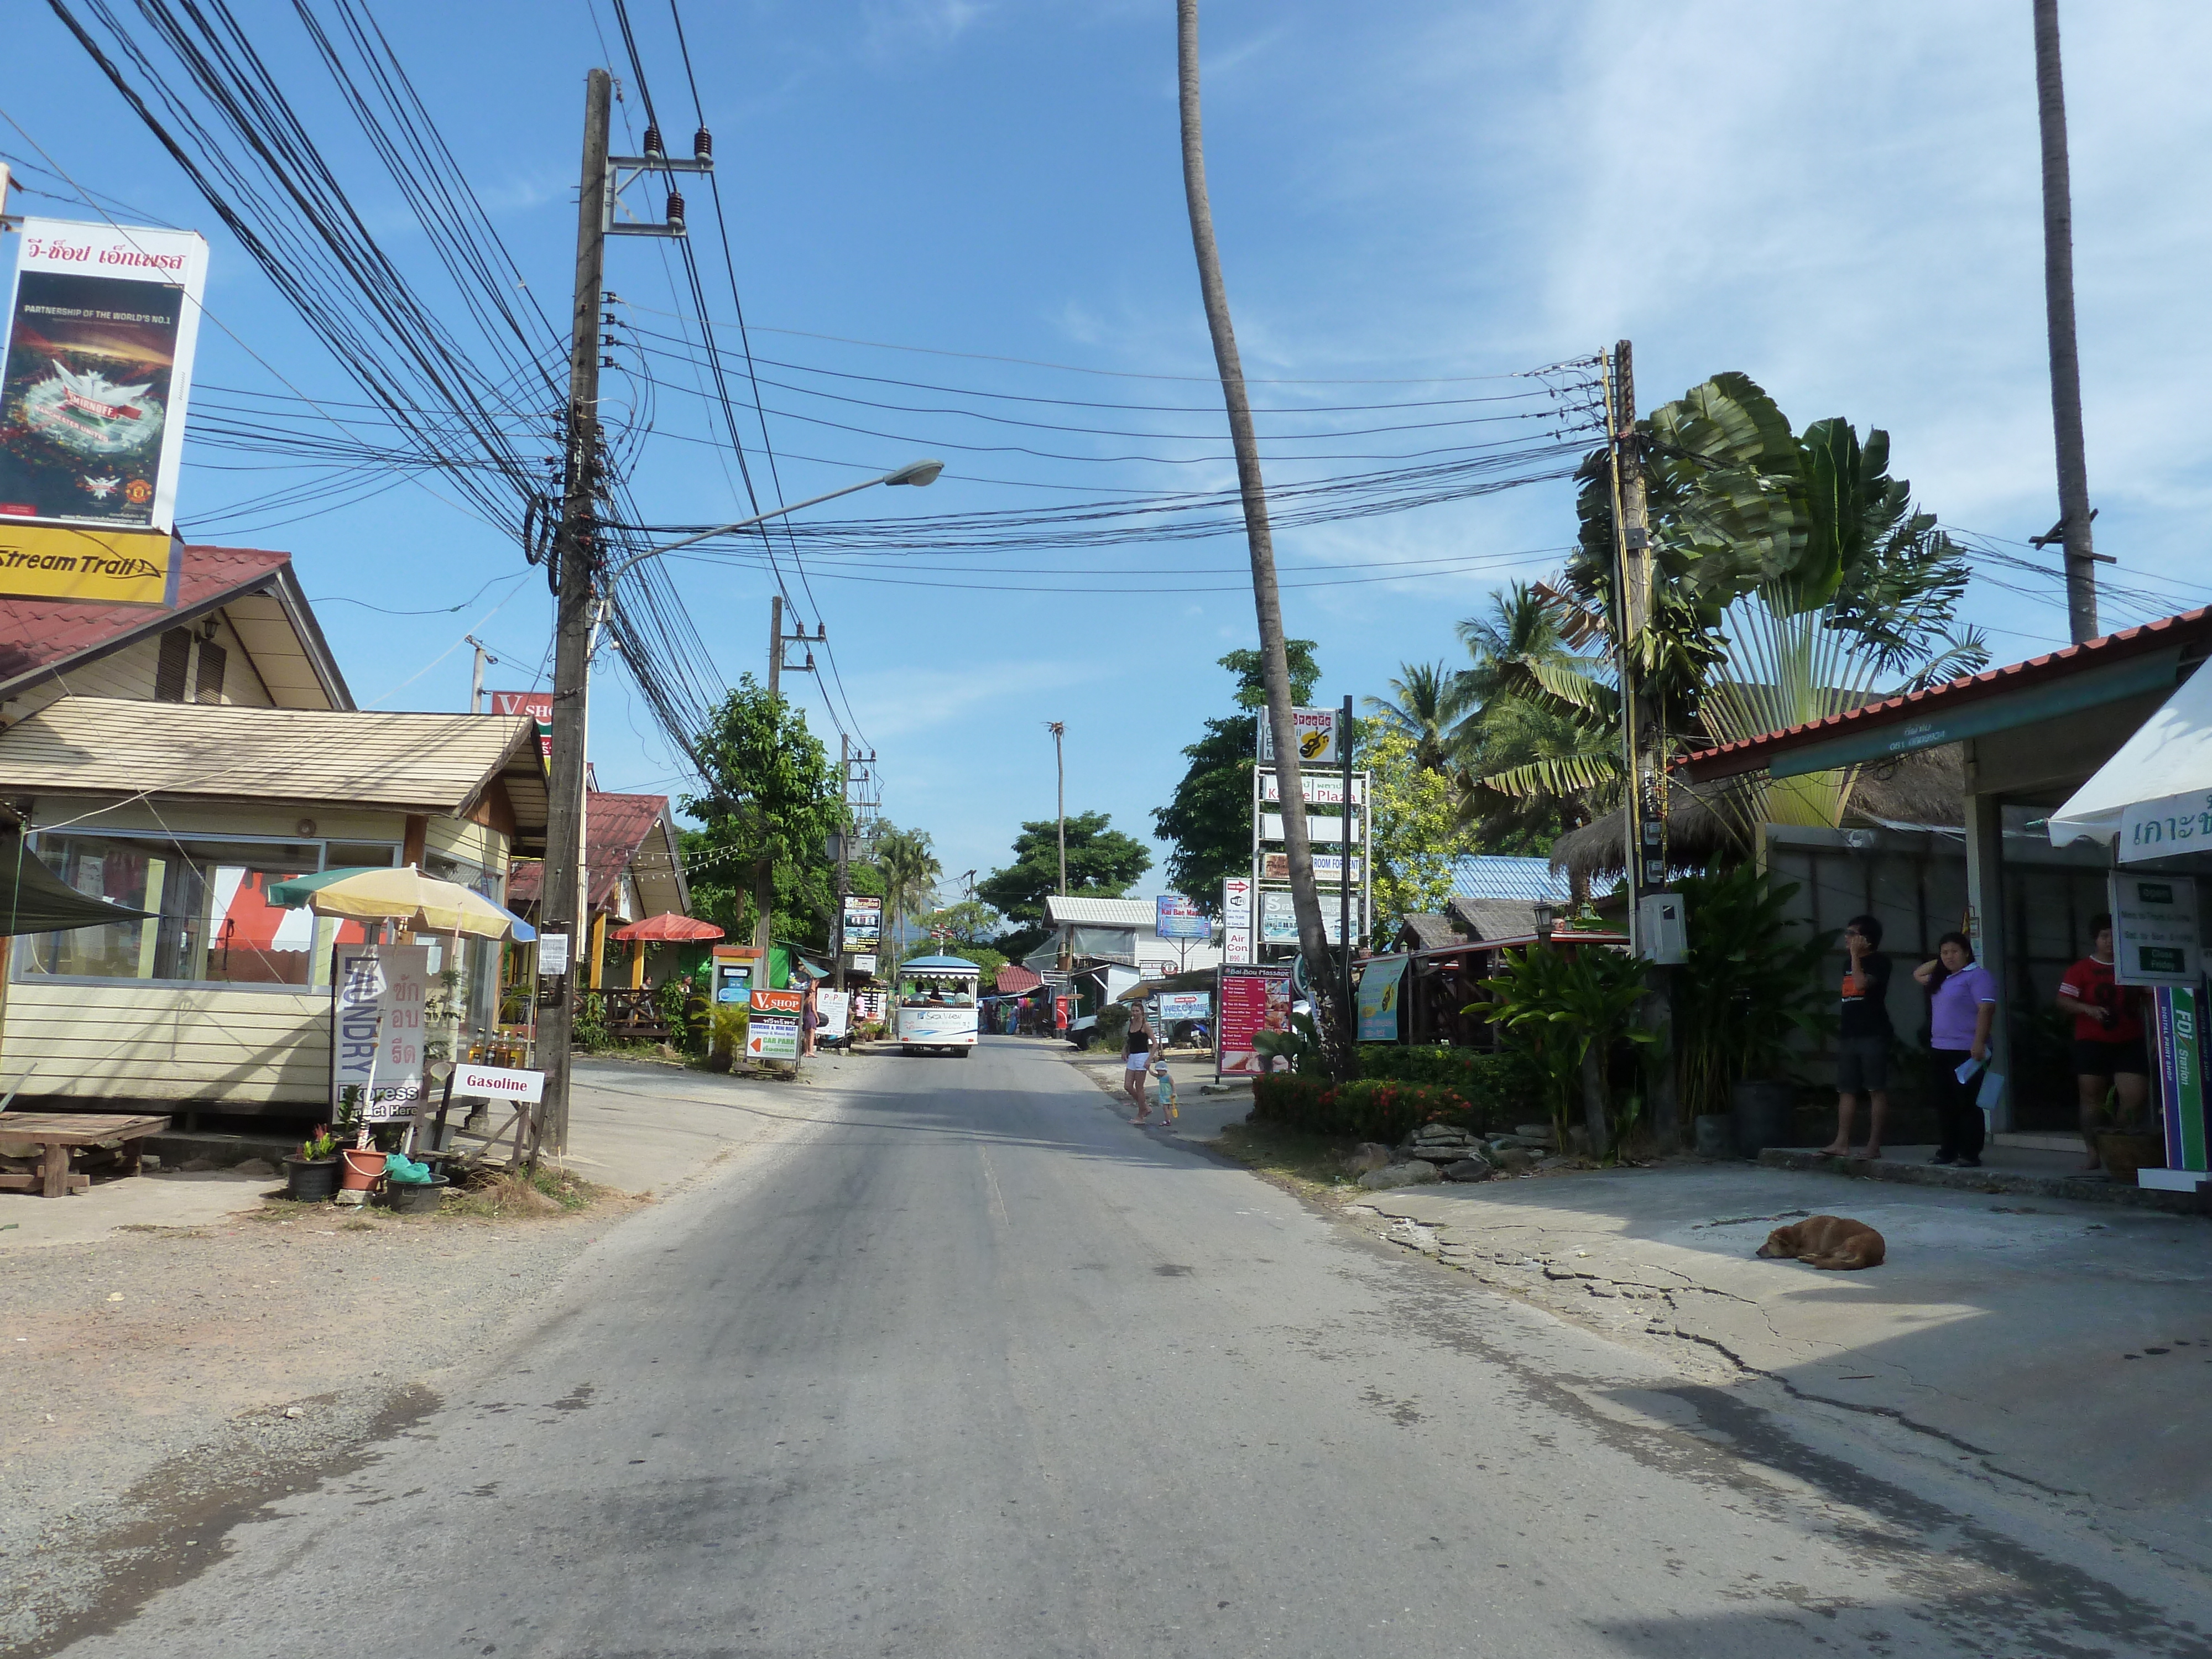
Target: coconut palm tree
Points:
x,y
910,870
1422,707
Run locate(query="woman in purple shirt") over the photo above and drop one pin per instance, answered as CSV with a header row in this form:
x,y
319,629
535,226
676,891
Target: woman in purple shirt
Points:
x,y
1962,1006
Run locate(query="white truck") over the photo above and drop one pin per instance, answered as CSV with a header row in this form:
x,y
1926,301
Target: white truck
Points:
x,y
936,1011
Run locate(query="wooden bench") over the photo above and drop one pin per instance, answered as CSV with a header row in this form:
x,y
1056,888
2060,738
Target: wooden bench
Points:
x,y
48,1137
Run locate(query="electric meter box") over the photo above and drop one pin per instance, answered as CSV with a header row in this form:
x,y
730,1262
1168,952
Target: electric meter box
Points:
x,y
1662,931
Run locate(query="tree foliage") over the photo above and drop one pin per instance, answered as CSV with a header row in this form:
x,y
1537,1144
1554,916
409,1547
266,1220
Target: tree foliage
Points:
x,y
1101,860
771,798
1419,829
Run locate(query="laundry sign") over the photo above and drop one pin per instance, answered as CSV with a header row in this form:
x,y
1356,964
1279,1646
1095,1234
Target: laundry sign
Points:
x,y
380,994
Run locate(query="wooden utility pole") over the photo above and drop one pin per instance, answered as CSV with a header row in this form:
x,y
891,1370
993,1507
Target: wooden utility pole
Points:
x,y
1266,600
560,905
2073,529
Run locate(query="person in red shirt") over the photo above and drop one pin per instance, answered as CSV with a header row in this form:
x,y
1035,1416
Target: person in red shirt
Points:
x,y
2110,1053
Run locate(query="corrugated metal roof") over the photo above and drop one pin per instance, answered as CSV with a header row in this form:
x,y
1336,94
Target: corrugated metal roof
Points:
x,y
432,763
1014,980
614,828
1083,910
1749,754
1496,876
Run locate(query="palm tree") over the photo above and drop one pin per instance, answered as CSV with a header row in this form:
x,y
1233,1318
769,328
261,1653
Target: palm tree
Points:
x,y
1266,600
1421,709
910,870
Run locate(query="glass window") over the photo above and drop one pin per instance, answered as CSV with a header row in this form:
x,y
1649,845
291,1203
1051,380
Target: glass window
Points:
x,y
211,922
350,855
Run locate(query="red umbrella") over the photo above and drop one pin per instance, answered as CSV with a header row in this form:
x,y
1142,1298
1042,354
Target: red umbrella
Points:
x,y
667,927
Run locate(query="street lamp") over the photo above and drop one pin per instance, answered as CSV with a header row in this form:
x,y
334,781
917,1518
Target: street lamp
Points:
x,y
917,473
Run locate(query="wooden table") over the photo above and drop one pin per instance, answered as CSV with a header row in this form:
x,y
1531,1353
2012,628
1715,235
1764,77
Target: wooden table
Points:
x,y
51,1134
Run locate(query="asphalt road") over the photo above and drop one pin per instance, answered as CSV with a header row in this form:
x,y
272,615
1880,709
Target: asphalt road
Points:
x,y
965,1364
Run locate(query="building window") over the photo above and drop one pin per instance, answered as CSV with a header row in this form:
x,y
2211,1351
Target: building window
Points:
x,y
211,922
207,684
176,659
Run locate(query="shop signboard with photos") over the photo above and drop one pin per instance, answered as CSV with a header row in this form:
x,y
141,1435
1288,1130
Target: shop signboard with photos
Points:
x,y
102,322
863,922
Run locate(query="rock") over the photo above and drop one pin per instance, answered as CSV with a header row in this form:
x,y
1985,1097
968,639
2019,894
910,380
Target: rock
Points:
x,y
1513,1159
294,1411
196,1165
1367,1157
1537,1132
257,1167
1399,1175
1468,1169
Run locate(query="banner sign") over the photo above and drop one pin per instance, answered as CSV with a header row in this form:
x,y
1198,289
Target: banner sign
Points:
x,y
1181,919
498,1083
101,326
1174,1006
1379,982
864,922
835,1008
1316,730
538,705
772,1036
377,996
2181,1076
778,1002
1253,1000
2155,937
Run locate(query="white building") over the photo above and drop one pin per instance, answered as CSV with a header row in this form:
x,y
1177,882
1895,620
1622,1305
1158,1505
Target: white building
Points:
x,y
1124,930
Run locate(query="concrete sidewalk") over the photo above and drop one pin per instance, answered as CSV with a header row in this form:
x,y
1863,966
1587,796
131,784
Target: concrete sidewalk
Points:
x,y
2063,1345
636,1126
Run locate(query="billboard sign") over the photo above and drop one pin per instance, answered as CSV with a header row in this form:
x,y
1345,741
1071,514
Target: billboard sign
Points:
x,y
1316,730
1175,1006
1278,921
1253,1000
1321,788
101,325
1179,918
1328,867
864,922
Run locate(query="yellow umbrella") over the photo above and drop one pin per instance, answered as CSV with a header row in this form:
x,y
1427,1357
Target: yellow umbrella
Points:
x,y
427,904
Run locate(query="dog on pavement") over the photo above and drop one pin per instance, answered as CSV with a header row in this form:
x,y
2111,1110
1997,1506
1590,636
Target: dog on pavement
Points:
x,y
1827,1241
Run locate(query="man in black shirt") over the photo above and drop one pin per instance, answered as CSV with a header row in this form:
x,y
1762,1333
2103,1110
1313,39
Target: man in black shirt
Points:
x,y
1863,1039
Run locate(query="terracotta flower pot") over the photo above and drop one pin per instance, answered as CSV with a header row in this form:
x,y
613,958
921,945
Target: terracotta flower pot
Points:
x,y
363,1170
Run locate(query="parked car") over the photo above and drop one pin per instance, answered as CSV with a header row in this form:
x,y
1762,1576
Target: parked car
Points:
x,y
1082,1032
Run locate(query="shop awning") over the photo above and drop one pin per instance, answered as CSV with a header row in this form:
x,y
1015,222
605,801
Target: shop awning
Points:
x,y
2154,796
667,927
34,900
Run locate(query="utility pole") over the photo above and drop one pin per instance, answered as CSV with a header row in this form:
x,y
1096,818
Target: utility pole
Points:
x,y
476,676
765,871
559,903
1344,874
844,859
2073,513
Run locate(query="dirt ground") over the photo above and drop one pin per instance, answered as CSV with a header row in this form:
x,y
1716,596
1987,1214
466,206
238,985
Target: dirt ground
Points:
x,y
161,1372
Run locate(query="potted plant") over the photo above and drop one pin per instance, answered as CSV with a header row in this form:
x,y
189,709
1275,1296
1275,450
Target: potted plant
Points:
x,y
1751,987
311,1174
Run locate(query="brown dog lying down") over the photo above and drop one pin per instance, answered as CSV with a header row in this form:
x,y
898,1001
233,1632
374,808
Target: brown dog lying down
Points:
x,y
1827,1241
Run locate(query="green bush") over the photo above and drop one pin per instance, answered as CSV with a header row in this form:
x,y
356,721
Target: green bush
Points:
x,y
1381,1109
1502,1086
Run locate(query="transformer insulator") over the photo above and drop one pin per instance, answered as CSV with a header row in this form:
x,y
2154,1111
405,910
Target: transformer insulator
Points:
x,y
653,141
675,210
702,145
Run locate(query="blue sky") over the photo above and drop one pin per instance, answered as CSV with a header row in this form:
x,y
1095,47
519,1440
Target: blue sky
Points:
x,y
1843,205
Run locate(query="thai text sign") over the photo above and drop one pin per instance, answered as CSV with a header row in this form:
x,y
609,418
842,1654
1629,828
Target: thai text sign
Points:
x,y
1179,918
1253,1000
773,1036
101,327
378,993
2161,829
498,1083
1321,788
2155,939
2181,1076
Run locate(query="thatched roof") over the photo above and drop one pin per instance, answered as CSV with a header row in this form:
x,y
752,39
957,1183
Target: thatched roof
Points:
x,y
1926,787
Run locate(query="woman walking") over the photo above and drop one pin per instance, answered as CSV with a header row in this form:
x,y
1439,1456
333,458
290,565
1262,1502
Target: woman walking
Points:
x,y
1136,1060
1962,1008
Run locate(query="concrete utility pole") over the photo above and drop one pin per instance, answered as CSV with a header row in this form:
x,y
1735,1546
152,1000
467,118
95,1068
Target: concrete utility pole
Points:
x,y
2073,513
765,871
844,860
476,675
560,898
1344,872
1267,597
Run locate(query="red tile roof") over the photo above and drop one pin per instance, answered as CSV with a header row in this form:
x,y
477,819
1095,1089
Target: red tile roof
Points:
x,y
39,636
1014,980
615,827
1749,754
